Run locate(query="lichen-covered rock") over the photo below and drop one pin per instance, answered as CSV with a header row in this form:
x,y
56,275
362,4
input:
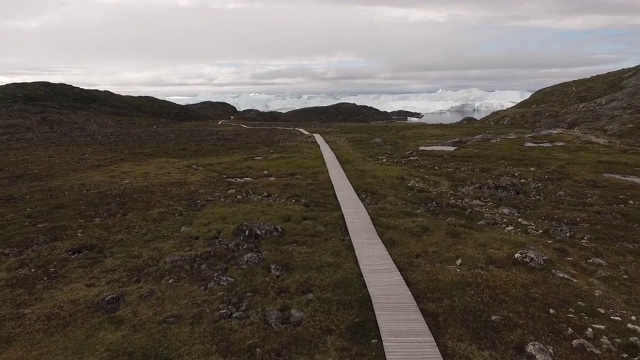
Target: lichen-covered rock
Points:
x,y
532,258
297,317
274,318
584,345
224,314
220,279
562,275
597,262
277,271
111,304
539,351
250,259
253,232
561,232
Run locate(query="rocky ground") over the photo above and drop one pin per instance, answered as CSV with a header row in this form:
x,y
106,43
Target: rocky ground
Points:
x,y
204,241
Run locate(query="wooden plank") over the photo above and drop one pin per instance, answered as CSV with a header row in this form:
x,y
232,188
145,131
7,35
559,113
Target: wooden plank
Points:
x,y
405,334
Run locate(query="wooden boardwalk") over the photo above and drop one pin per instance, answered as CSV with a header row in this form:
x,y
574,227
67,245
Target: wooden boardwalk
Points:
x,y
405,334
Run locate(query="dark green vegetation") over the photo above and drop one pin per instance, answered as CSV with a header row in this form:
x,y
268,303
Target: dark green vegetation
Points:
x,y
150,214
482,204
608,103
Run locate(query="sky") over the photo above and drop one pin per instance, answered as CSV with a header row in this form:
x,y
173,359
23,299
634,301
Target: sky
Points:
x,y
185,47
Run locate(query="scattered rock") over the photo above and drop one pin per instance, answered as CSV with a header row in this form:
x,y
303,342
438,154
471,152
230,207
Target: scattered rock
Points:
x,y
250,259
635,341
240,316
606,344
185,228
148,295
308,297
274,318
597,262
77,251
496,318
633,327
582,344
561,232
458,262
277,271
111,303
599,327
220,279
377,141
589,333
224,314
297,317
171,320
507,211
438,148
602,273
255,231
539,351
562,275
532,258
570,331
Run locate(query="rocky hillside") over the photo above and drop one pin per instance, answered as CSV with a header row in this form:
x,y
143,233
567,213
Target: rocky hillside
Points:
x,y
43,98
48,101
608,103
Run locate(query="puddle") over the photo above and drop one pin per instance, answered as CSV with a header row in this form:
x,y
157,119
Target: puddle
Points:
x,y
630,178
438,148
530,144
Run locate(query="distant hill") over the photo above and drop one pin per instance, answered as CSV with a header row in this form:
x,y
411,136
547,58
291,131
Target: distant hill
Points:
x,y
47,100
55,99
609,103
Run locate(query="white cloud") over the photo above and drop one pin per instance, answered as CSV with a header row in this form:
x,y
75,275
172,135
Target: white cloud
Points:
x,y
182,46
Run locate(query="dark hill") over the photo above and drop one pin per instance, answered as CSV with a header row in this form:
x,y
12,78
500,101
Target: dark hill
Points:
x,y
341,112
609,103
69,104
215,110
58,99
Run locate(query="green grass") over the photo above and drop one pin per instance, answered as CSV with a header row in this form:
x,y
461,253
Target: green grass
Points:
x,y
126,194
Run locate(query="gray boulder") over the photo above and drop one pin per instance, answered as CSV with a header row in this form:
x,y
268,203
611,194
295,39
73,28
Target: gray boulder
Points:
x,y
539,351
532,258
253,232
274,318
584,345
111,304
250,259
297,317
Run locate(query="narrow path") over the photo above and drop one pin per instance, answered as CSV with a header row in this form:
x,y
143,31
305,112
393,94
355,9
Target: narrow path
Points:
x,y
405,334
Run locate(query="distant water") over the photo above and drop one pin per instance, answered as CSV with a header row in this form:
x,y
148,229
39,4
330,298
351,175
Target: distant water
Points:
x,y
449,117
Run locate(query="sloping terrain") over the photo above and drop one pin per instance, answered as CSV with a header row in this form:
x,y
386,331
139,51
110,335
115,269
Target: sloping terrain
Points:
x,y
56,103
607,103
42,98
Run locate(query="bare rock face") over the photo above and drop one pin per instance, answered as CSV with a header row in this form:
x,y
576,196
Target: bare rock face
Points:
x,y
532,258
111,304
539,351
254,232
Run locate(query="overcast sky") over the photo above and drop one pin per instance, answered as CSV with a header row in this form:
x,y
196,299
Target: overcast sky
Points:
x,y
183,47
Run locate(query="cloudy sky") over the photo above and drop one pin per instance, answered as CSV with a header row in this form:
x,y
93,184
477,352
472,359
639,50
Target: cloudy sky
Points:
x,y
183,47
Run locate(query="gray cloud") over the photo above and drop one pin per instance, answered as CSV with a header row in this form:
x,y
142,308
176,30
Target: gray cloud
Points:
x,y
172,47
